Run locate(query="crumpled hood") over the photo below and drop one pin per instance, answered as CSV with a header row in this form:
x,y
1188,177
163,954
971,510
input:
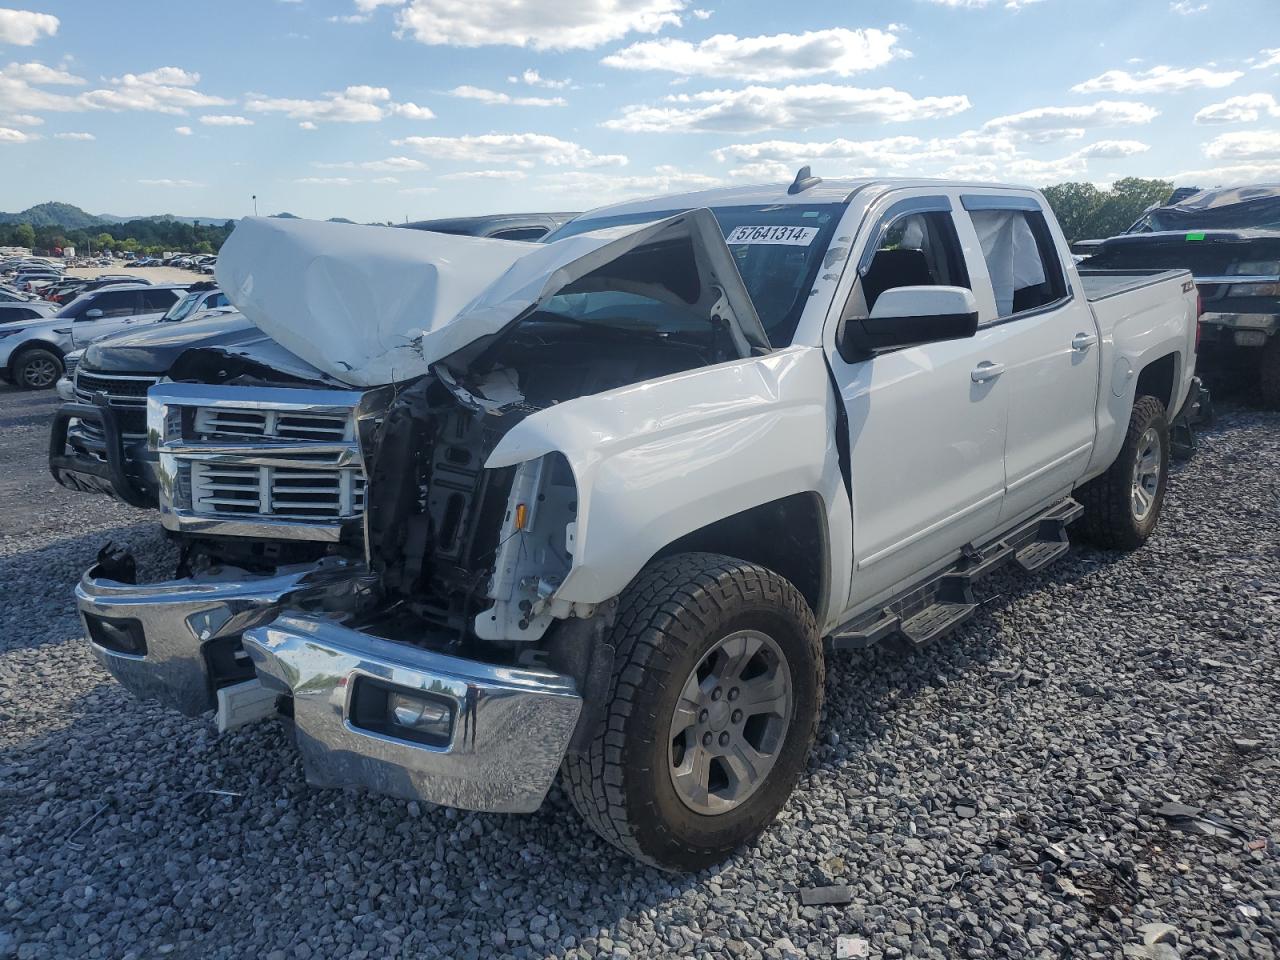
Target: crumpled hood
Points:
x,y
372,306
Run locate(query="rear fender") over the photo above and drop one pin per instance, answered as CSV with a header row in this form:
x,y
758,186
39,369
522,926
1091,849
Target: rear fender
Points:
x,y
658,460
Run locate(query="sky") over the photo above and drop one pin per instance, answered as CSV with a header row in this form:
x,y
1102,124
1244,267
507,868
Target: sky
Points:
x,y
387,110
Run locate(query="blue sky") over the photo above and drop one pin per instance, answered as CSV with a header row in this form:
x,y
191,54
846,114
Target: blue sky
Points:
x,y
394,109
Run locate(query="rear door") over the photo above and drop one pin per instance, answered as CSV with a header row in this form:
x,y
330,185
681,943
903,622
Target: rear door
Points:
x,y
1051,372
926,438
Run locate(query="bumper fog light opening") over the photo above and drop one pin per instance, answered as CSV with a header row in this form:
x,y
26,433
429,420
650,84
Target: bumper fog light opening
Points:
x,y
402,714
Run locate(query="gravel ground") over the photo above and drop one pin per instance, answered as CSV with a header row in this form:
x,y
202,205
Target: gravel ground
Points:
x,y
991,796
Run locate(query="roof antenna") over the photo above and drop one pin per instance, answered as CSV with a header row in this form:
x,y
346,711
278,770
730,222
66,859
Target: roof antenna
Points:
x,y
803,181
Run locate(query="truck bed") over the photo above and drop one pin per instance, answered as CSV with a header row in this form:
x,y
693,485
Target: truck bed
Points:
x,y
1103,284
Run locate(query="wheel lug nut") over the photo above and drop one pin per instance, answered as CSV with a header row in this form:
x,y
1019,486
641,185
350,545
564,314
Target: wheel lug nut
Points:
x,y
737,716
733,694
724,739
716,693
702,716
706,739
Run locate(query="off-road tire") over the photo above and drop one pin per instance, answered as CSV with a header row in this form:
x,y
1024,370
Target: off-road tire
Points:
x,y
1269,373
1108,520
668,617
22,364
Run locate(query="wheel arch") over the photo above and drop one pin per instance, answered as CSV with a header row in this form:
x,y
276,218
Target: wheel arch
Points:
x,y
1159,378
788,535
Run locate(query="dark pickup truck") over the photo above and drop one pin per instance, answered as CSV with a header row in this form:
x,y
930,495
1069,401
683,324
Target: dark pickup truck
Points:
x,y
1230,240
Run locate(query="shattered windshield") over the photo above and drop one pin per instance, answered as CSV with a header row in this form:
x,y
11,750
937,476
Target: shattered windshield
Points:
x,y
778,249
1262,214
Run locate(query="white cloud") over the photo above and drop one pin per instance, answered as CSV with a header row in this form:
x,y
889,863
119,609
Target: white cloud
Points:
x,y
584,187
1228,175
225,120
74,136
418,191
163,90
1270,58
1158,80
784,56
389,165
326,181
166,182
308,125
486,175
25,119
1245,109
534,79
1252,145
351,18
1187,8
970,155
355,104
540,26
498,97
185,131
10,135
701,14
23,27
1045,124
521,148
753,109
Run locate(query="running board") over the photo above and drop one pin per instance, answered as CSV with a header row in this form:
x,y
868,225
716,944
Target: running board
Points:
x,y
939,604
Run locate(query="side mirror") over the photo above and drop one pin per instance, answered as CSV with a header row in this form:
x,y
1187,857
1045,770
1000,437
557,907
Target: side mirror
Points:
x,y
94,314
908,317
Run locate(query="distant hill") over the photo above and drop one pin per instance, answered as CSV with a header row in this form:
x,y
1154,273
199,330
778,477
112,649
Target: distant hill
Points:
x,y
70,217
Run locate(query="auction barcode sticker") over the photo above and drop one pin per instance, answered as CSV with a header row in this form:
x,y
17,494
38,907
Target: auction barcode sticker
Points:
x,y
794,236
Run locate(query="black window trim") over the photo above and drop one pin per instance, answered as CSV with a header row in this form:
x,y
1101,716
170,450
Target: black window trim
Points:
x,y
939,203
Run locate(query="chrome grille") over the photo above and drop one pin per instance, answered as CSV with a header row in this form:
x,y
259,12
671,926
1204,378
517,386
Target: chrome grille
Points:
x,y
274,462
127,394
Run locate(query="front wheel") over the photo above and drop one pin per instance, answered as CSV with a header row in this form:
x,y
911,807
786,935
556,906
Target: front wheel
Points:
x,y
1122,507
712,710
37,369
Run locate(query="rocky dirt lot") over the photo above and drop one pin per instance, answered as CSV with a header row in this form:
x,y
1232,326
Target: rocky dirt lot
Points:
x,y
1096,755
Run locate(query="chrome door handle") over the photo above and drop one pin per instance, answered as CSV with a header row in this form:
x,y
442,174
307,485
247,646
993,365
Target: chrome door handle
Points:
x,y
1083,341
985,371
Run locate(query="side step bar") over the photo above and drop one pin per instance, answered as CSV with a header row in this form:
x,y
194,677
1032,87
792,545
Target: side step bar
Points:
x,y
939,604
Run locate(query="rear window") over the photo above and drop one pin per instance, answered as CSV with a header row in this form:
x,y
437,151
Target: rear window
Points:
x,y
778,249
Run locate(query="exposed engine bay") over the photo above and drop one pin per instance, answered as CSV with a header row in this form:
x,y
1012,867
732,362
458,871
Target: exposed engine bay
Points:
x,y
473,555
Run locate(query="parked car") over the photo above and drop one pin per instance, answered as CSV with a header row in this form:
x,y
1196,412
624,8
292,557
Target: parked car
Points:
x,y
31,354
620,485
1230,240
119,370
12,311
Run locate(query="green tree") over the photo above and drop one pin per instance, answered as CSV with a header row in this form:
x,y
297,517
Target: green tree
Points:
x,y
1087,213
24,235
104,241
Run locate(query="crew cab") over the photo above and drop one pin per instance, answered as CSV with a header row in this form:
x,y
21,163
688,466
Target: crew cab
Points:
x,y
1230,240
626,490
31,353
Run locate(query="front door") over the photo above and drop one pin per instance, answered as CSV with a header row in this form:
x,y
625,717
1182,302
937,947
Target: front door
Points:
x,y
927,423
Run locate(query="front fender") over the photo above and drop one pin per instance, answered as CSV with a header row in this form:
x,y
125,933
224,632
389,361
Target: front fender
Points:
x,y
657,460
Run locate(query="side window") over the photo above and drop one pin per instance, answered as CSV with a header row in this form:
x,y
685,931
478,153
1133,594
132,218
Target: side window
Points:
x,y
217,300
914,250
117,303
1021,260
520,233
157,301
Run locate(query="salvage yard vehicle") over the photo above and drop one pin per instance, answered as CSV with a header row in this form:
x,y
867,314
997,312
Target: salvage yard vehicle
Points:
x,y
1230,240
31,353
619,487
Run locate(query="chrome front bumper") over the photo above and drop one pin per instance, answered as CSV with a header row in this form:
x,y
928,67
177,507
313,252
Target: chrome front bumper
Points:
x,y
157,639
510,726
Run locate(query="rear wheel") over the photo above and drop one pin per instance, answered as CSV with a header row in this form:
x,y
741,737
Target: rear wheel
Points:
x,y
1122,507
36,369
1269,373
713,707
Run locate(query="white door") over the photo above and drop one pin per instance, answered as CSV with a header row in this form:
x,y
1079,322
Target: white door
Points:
x,y
926,423
1051,373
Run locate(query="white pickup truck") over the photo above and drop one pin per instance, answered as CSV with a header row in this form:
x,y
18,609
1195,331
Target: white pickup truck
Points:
x,y
628,481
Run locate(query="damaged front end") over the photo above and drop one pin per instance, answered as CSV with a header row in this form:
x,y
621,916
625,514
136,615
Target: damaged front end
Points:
x,y
444,665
